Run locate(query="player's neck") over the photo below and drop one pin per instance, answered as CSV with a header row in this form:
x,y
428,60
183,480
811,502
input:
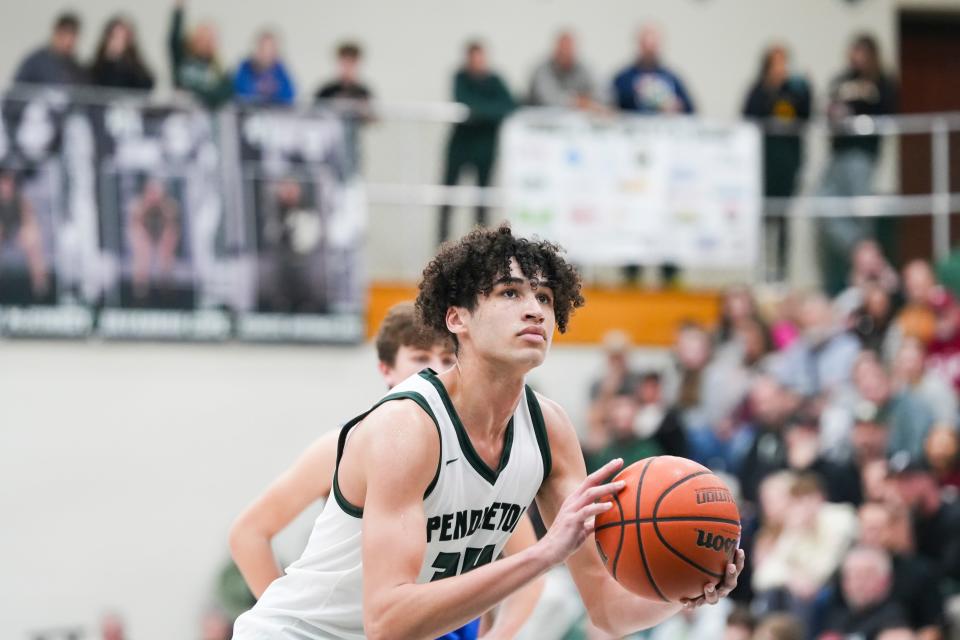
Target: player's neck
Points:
x,y
485,396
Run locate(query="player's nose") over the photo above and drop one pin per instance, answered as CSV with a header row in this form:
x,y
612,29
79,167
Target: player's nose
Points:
x,y
532,309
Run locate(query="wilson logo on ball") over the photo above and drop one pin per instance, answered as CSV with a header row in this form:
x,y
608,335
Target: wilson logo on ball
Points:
x,y
716,542
713,494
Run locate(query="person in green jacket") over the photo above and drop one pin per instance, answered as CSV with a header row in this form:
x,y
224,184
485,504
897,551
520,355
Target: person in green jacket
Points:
x,y
473,142
194,62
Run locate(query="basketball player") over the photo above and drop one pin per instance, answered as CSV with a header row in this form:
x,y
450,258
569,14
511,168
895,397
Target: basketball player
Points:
x,y
430,481
404,347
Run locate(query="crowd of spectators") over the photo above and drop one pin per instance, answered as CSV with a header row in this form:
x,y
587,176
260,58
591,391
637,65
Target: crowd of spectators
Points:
x,y
836,421
780,96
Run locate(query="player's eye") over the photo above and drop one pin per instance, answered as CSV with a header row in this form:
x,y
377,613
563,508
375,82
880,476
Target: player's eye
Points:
x,y
509,293
544,298
448,362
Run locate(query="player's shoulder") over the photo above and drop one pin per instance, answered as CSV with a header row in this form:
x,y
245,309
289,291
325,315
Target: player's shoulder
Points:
x,y
555,419
399,425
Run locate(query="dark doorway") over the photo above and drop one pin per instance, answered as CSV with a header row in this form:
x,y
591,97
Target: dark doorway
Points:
x,y
929,82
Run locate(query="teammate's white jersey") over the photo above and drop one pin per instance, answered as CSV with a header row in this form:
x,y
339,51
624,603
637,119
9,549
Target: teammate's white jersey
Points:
x,y
470,512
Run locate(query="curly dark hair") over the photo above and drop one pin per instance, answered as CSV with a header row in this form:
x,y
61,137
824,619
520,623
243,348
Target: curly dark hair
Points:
x,y
468,268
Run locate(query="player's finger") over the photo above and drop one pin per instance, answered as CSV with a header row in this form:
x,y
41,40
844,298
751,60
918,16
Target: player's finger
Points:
x,y
593,509
710,594
601,474
593,493
739,560
693,603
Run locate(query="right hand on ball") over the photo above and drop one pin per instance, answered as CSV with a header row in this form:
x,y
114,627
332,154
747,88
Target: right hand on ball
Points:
x,y
574,521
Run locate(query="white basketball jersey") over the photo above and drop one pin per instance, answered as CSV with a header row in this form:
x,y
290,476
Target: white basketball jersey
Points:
x,y
470,511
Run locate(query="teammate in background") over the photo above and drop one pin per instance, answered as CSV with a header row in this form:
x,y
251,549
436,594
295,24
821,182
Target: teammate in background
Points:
x,y
153,234
18,225
404,347
430,482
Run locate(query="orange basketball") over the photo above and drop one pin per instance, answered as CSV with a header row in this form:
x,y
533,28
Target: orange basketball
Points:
x,y
673,528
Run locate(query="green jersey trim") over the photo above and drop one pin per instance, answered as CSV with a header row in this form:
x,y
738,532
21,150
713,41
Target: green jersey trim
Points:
x,y
540,429
346,505
488,474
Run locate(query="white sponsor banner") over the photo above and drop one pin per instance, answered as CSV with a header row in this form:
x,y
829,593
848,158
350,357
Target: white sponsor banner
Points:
x,y
635,189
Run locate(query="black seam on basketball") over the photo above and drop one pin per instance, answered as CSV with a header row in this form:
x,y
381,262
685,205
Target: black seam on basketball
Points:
x,y
643,556
656,529
669,519
616,556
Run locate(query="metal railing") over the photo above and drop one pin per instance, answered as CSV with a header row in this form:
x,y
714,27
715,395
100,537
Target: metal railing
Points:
x,y
403,142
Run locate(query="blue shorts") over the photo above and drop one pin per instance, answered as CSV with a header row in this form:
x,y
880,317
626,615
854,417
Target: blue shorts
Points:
x,y
468,631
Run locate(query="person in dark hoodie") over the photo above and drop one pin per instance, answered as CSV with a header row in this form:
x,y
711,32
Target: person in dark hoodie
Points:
x,y
262,78
473,142
781,101
194,62
118,63
56,61
863,89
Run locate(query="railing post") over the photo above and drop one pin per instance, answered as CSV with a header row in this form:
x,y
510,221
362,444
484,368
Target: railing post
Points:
x,y
940,169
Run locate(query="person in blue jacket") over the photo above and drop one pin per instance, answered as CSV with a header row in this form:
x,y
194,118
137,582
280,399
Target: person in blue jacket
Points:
x,y
646,86
262,78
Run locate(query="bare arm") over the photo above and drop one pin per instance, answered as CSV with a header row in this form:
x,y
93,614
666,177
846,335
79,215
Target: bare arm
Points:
x,y
516,609
611,607
395,452
308,480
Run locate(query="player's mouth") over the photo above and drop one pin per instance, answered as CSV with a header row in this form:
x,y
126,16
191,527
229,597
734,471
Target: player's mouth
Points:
x,y
534,334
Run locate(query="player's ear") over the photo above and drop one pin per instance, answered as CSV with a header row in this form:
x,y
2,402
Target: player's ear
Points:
x,y
387,372
456,320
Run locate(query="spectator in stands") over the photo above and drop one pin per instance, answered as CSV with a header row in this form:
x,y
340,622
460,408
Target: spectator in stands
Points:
x,y
473,142
864,88
262,78
807,552
118,62
733,369
785,323
740,625
20,228
691,355
868,608
936,517
347,85
350,96
871,320
929,310
618,439
194,63
658,421
617,377
781,101
929,387
942,450
913,576
870,266
871,295
909,420
822,358
932,315
56,61
738,306
770,409
646,85
779,626
563,81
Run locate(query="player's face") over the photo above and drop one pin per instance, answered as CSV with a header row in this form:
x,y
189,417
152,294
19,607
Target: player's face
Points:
x,y
411,359
514,323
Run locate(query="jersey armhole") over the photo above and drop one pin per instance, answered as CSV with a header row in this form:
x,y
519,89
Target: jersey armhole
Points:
x,y
348,507
540,429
